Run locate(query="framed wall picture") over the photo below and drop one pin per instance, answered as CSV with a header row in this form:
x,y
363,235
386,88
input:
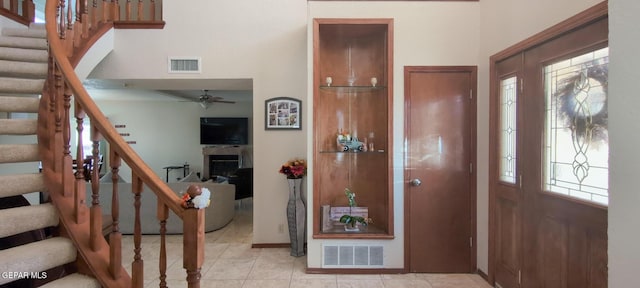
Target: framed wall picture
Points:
x,y
283,113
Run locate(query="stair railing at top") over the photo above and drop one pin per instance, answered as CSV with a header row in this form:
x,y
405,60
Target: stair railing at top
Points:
x,y
22,11
82,224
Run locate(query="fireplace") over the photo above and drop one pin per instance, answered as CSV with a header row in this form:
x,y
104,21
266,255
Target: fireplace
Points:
x,y
224,160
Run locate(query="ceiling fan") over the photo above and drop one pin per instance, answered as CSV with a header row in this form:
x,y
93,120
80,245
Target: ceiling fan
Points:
x,y
206,99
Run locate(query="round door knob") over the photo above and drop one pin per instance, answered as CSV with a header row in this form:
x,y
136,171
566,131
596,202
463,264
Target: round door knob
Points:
x,y
415,182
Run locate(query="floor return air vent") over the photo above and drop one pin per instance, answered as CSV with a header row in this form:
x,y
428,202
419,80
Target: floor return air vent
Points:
x,y
352,256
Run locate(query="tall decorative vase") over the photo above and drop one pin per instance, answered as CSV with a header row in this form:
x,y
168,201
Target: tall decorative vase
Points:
x,y
296,217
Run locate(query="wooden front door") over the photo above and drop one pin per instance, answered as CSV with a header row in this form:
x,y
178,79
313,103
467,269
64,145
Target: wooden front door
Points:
x,y
549,158
506,148
439,174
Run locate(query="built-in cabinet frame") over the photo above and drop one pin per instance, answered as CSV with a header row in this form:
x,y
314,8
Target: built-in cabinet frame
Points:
x,y
352,52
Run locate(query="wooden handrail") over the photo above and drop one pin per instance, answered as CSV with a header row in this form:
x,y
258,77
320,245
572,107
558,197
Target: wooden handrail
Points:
x,y
69,38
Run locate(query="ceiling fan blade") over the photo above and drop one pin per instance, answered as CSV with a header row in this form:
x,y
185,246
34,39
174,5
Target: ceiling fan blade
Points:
x,y
224,101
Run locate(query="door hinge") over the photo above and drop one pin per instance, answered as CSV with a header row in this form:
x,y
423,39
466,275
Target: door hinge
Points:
x,y
519,277
470,93
521,86
471,242
470,168
520,181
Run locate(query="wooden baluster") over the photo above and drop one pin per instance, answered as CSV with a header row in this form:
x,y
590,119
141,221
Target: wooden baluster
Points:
x,y
76,24
70,39
80,183
51,96
96,136
14,6
57,109
62,29
105,10
67,160
127,11
193,245
115,237
163,214
80,4
137,267
115,5
94,14
152,10
29,10
140,16
95,234
84,19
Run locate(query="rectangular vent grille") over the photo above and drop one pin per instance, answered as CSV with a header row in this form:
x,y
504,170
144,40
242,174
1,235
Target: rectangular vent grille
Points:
x,y
352,256
185,65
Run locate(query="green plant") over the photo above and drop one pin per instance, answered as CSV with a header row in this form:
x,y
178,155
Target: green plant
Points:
x,y
351,220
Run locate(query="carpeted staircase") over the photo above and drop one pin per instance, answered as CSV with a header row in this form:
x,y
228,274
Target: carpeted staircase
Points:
x,y
23,69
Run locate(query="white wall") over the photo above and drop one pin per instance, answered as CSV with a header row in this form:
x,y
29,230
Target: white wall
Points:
x,y
419,39
253,39
624,164
167,133
504,23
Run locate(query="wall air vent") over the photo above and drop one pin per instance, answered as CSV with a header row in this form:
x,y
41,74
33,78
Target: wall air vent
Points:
x,y
352,256
185,65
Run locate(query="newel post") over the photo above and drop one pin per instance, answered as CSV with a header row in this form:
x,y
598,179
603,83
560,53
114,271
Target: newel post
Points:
x,y
193,245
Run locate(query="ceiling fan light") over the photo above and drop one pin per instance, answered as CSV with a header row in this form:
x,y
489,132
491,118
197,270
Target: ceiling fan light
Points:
x,y
204,104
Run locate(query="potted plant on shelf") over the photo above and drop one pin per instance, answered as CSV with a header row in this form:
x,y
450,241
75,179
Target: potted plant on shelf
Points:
x,y
351,221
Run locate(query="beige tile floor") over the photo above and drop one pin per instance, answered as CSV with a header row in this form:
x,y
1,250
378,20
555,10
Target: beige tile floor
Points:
x,y
232,263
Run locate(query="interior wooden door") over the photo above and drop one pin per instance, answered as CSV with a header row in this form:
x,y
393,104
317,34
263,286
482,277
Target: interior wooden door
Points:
x,y
440,141
505,182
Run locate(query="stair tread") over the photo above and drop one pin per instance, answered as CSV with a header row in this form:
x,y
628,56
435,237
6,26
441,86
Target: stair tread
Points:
x,y
23,42
18,126
40,216
17,184
19,104
21,54
21,85
16,153
75,280
24,32
17,69
37,256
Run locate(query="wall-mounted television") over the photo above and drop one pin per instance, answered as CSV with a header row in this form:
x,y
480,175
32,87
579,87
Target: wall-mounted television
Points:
x,y
224,131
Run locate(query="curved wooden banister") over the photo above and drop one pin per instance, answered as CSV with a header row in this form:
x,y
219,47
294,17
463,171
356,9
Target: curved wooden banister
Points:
x,y
69,38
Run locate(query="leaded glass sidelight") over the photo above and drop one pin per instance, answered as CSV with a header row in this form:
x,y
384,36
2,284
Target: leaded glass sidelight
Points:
x,y
576,132
508,153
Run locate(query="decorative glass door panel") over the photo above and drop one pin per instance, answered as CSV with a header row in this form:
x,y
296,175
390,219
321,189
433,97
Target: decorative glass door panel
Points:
x,y
508,130
576,132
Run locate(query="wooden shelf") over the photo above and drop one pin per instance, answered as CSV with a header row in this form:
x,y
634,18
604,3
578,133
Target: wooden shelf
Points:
x,y
369,232
353,152
353,89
